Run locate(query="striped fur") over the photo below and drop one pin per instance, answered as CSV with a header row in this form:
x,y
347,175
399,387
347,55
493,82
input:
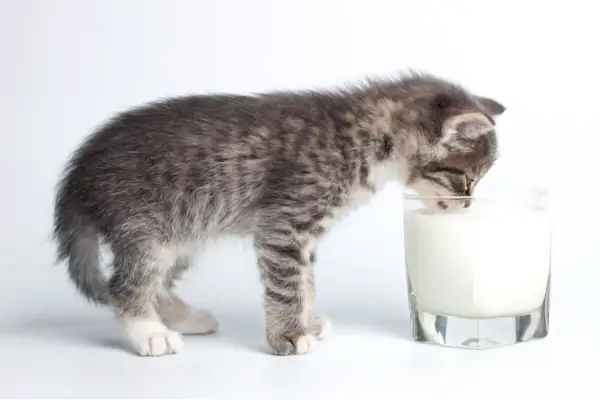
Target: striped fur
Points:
x,y
156,181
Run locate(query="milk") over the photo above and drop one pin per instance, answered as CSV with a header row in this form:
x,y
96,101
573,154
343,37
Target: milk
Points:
x,y
480,262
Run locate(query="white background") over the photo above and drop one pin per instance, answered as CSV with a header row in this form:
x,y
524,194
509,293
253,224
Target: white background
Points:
x,y
66,65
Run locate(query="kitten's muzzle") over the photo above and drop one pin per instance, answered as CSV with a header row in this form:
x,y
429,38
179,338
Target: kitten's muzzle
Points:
x,y
447,204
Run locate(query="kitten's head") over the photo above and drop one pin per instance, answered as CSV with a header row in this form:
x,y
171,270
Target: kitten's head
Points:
x,y
459,146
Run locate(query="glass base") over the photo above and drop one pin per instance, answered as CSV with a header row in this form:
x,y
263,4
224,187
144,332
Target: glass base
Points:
x,y
478,333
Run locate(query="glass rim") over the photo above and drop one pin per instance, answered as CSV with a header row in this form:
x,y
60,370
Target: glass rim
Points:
x,y
505,191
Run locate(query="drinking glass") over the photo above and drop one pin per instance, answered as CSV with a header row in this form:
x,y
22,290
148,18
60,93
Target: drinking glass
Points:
x,y
478,268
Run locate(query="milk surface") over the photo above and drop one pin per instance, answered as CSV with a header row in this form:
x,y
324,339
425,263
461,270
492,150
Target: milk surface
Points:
x,y
480,262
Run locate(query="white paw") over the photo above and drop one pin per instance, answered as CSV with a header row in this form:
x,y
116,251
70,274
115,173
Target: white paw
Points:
x,y
196,322
325,328
152,338
305,344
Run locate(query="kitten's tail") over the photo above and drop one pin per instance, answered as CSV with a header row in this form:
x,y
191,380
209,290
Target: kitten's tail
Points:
x,y
78,243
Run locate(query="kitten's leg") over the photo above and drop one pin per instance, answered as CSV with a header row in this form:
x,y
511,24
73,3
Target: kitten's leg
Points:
x,y
321,326
182,264
284,272
175,313
138,279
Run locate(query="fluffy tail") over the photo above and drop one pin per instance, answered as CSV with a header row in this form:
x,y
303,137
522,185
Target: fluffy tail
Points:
x,y
79,245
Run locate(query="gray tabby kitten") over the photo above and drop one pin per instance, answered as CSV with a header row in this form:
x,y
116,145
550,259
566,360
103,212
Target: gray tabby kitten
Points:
x,y
156,181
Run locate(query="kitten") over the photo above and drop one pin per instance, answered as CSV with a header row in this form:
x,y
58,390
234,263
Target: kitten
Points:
x,y
156,181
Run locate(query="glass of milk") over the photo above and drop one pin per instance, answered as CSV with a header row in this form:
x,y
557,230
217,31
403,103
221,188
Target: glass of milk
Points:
x,y
478,268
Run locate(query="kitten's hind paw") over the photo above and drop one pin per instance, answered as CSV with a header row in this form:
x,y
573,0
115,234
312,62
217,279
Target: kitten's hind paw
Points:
x,y
321,327
153,339
195,322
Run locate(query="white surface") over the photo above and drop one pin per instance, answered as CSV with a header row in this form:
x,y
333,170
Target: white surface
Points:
x,y
490,260
69,64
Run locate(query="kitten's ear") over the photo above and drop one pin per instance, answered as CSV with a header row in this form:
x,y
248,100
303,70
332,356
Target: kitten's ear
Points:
x,y
468,125
492,107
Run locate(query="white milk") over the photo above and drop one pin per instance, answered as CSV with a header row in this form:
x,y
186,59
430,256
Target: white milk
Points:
x,y
480,262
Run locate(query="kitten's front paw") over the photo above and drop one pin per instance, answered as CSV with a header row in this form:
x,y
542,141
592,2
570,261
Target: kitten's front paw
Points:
x,y
321,327
286,344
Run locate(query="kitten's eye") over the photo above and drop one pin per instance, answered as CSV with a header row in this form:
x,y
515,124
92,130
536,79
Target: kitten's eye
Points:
x,y
448,170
